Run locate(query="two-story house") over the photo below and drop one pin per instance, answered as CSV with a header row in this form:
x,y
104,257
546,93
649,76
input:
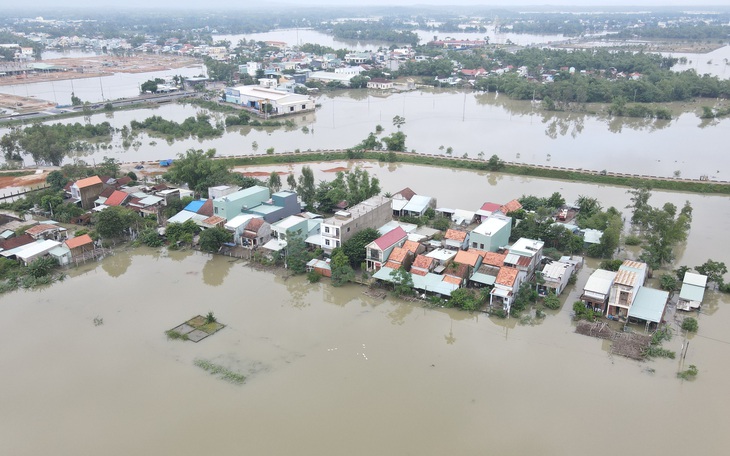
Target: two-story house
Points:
x,y
377,251
525,255
492,234
629,279
86,191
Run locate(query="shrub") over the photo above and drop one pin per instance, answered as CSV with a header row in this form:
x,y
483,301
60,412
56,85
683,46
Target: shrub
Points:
x,y
632,240
688,374
210,318
690,324
313,276
551,301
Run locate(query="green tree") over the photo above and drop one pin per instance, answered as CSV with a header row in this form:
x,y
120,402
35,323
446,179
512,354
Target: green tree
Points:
x,y
464,299
114,222
212,239
551,301
291,181
354,248
398,121
42,267
668,282
75,101
199,170
714,270
641,210
306,188
342,272
181,232
56,180
402,282
690,324
495,163
297,255
150,85
395,142
108,167
274,183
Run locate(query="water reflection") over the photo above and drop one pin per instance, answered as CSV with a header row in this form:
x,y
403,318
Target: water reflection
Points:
x,y
298,288
117,264
216,270
562,124
400,311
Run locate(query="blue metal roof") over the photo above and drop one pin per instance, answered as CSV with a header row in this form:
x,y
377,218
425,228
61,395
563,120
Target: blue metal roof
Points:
x,y
194,206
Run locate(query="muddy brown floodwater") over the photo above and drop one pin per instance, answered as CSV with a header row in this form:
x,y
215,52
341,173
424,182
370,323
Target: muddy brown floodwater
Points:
x,y
332,371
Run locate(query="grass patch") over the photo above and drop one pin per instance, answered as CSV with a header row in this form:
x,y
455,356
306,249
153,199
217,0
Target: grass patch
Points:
x,y
220,371
174,335
210,328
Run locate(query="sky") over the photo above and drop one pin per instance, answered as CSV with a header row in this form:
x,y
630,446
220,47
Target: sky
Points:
x,y
239,4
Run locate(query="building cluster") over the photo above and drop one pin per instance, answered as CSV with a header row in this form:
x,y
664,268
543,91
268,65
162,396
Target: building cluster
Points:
x,y
474,251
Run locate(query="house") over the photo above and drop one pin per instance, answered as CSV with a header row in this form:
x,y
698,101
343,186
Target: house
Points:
x,y
442,258
400,200
378,251
47,231
487,210
321,267
79,246
258,98
492,234
418,205
692,292
414,247
281,205
597,289
422,265
525,255
456,239
380,84
86,191
212,222
555,276
649,306
399,258
257,233
629,278
117,198
292,226
15,242
31,252
471,258
456,273
591,236
429,283
371,213
221,191
233,204
506,285
237,225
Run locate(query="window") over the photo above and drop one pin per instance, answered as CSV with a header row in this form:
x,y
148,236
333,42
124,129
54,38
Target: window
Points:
x,y
348,229
481,246
326,229
474,245
215,209
291,109
304,106
326,242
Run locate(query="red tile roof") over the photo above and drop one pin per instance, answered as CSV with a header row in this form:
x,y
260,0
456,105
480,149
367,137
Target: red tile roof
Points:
x,y
457,270
398,255
423,262
411,246
420,272
469,257
17,241
254,225
452,279
42,228
391,237
214,220
89,181
116,198
107,192
513,205
392,265
78,241
406,193
455,235
494,258
506,276
206,208
124,180
490,207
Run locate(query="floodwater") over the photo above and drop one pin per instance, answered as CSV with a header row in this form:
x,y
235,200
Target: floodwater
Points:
x,y
96,89
331,371
715,63
469,123
294,37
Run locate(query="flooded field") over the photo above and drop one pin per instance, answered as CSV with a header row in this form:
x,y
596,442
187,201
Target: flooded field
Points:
x,y
332,371
468,123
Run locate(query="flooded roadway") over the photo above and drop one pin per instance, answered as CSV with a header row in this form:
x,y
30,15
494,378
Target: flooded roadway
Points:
x,y
332,371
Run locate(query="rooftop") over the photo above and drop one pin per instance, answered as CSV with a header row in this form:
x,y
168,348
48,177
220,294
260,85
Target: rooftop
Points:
x,y
649,304
507,276
398,255
494,258
600,282
492,225
513,205
455,235
695,279
468,257
357,210
423,262
391,237
89,181
78,241
406,193
42,228
116,198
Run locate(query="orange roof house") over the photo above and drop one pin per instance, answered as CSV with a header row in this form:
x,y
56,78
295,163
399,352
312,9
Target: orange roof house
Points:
x,y
507,276
512,206
79,245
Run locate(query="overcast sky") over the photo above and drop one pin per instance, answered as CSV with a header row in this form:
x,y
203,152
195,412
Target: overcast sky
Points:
x,y
238,4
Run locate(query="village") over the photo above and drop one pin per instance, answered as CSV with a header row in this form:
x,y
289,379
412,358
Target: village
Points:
x,y
464,259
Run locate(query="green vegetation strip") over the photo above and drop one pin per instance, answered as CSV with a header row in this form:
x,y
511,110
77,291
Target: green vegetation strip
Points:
x,y
220,371
520,170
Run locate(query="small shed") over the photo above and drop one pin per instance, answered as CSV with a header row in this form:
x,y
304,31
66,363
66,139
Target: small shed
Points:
x,y
321,267
649,306
79,245
692,292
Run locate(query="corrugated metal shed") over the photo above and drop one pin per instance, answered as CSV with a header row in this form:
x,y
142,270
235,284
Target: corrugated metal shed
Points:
x,y
649,304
